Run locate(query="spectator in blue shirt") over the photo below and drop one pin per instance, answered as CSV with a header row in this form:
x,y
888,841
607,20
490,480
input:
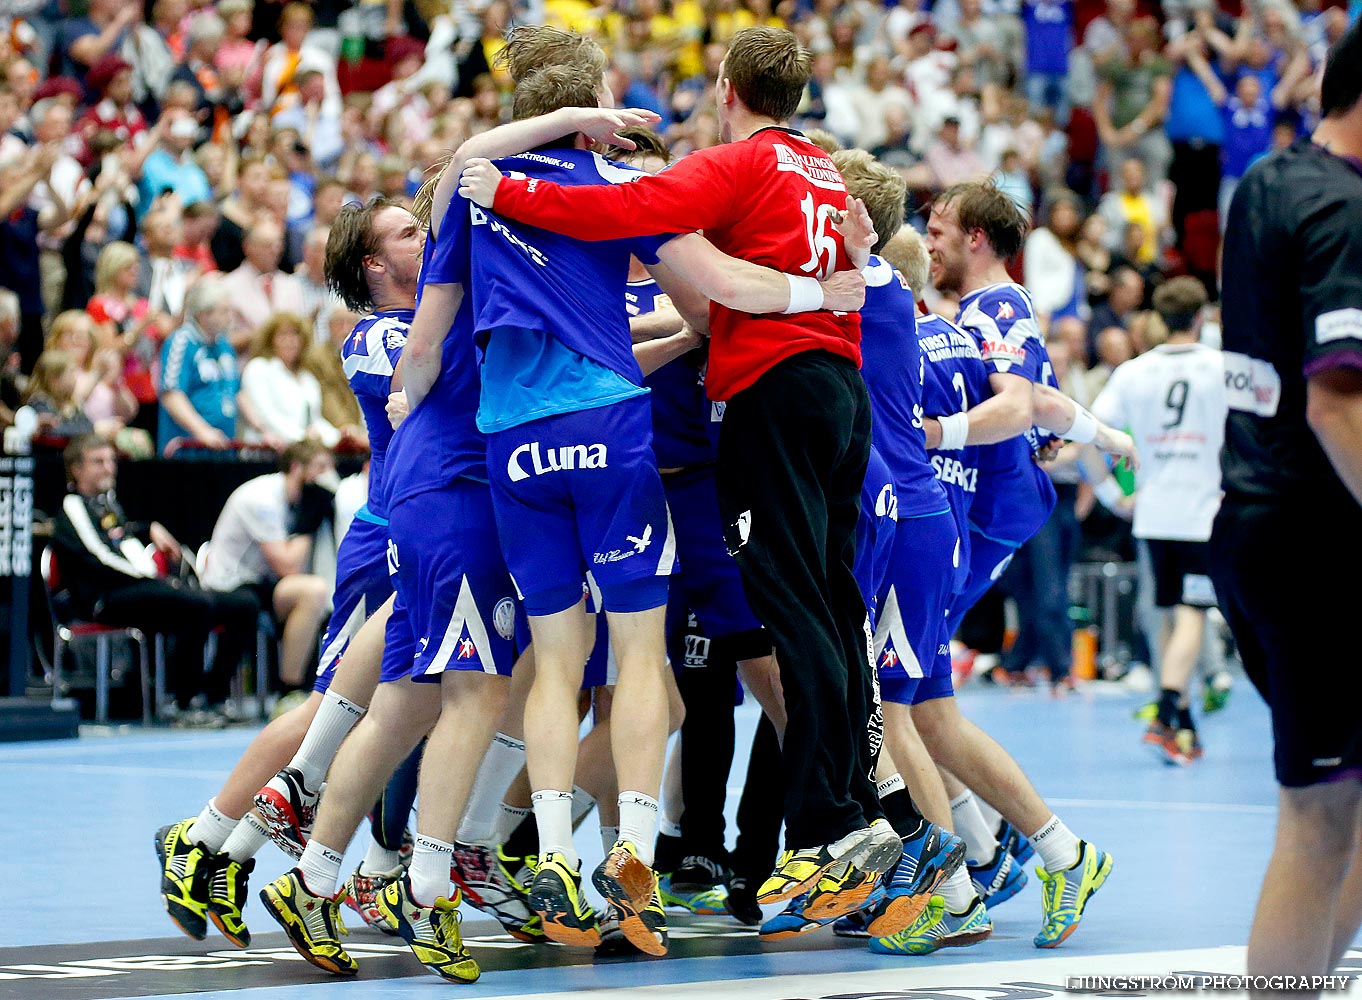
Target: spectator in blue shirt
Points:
x,y
199,379
170,166
1049,37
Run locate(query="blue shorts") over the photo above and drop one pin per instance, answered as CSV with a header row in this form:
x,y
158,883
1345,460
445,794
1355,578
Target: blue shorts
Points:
x,y
452,582
707,581
875,533
578,492
912,608
362,585
399,644
600,668
988,560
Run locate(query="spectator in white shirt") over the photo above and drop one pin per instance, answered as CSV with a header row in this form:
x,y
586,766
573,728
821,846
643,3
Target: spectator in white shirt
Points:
x,y
873,99
281,400
163,278
318,299
258,288
63,185
262,544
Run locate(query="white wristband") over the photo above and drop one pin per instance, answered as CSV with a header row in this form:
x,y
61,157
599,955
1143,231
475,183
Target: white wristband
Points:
x,y
806,294
1084,427
954,431
1109,492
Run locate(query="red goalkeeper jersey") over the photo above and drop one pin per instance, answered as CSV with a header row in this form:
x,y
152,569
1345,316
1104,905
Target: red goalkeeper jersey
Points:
x,y
768,199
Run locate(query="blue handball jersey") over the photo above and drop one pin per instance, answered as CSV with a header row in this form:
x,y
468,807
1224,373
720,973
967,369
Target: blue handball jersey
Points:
x,y
954,379
439,441
370,356
1015,495
893,370
681,411
525,278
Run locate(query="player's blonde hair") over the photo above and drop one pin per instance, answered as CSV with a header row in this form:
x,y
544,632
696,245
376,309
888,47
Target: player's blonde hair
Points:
x,y
552,88
906,251
823,139
884,192
531,47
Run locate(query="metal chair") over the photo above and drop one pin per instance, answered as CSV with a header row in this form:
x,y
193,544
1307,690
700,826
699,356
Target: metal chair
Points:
x,y
67,631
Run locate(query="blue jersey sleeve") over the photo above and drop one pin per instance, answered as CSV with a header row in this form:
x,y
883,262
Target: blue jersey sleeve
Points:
x,y
446,261
1009,336
643,247
371,354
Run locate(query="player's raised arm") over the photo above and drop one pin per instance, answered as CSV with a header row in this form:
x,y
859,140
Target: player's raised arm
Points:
x,y
695,193
599,124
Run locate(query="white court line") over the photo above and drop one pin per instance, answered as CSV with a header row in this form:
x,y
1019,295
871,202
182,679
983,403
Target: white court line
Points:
x,y
1209,807
103,746
139,772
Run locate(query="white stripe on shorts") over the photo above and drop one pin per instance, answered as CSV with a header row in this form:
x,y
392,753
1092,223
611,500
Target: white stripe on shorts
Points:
x,y
336,646
890,626
667,559
465,613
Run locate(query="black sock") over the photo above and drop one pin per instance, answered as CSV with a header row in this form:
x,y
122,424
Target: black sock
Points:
x,y
524,839
668,856
1185,719
902,813
1168,707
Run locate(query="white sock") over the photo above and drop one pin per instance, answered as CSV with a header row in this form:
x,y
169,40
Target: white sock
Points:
x,y
246,840
638,823
320,867
379,860
992,817
970,826
334,720
889,785
553,817
668,827
429,871
508,819
1056,845
957,890
609,834
212,828
582,804
503,761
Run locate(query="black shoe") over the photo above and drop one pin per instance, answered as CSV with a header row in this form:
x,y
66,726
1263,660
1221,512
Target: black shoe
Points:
x,y
742,901
699,874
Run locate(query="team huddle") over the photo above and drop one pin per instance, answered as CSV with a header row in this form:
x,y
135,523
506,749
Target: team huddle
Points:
x,y
590,425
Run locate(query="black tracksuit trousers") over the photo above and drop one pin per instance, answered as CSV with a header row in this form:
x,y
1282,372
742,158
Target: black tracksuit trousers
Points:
x,y
792,459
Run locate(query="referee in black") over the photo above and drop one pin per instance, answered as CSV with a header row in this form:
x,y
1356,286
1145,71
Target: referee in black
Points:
x,y
1292,463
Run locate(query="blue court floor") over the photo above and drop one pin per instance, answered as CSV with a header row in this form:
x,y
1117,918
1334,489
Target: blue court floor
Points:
x,y
80,915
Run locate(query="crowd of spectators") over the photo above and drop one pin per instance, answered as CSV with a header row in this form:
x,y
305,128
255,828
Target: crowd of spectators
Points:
x,y
144,148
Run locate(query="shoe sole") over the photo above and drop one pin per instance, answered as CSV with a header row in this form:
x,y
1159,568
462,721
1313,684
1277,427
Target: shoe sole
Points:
x,y
960,940
166,901
786,935
898,914
877,855
1166,754
1099,880
546,905
284,830
242,940
632,925
273,907
839,903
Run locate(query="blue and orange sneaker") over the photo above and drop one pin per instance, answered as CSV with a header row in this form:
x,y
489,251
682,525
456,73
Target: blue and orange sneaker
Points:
x,y
1065,893
998,880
